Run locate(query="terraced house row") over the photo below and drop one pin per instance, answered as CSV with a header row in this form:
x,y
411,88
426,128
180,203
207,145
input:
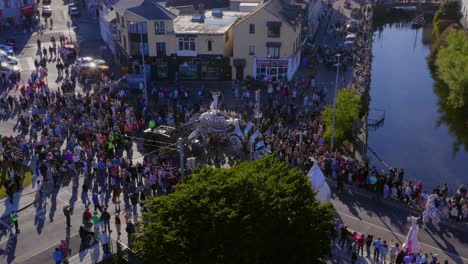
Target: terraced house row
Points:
x,y
251,38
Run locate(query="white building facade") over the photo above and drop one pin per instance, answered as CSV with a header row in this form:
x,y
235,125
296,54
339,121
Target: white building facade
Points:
x,y
107,25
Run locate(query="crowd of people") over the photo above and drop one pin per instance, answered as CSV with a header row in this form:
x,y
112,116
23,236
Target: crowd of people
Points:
x,y
72,136
378,249
69,136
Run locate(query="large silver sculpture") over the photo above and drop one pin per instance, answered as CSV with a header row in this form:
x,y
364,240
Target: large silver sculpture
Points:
x,y
228,127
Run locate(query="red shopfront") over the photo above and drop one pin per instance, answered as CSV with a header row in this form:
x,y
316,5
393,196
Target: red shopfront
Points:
x,y
272,68
28,12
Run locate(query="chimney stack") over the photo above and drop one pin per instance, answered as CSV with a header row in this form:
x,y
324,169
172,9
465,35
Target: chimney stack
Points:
x,y
201,9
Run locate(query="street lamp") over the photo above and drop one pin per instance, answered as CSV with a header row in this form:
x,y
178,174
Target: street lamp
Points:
x,y
334,102
269,66
143,60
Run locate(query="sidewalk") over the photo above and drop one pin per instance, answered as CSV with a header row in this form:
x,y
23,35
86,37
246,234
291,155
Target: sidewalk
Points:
x,y
366,213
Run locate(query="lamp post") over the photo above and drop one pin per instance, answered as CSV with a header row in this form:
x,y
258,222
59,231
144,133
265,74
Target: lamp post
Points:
x,y
143,61
269,67
334,102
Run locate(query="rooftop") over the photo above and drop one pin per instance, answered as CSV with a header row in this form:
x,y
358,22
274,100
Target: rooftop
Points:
x,y
183,24
148,9
280,9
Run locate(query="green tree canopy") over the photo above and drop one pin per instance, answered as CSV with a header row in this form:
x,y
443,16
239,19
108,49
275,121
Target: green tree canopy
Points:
x,y
452,67
449,12
348,105
258,212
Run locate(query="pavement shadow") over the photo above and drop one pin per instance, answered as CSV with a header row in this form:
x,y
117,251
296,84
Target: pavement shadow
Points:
x,y
372,205
446,246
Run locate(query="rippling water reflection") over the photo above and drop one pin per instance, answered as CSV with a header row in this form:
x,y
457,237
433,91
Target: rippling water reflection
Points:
x,y
421,134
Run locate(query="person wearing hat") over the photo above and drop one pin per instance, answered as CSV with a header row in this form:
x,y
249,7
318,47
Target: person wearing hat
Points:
x,y
14,219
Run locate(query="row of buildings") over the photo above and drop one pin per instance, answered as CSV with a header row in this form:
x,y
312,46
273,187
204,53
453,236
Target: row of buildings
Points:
x,y
256,38
16,12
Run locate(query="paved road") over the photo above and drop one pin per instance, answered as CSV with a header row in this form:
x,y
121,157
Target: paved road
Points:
x,y
364,213
42,229
86,34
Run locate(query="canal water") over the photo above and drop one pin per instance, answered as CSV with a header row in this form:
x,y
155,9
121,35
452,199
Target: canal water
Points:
x,y
419,134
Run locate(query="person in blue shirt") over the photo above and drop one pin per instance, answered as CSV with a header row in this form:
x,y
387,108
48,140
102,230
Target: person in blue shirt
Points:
x,y
377,245
57,256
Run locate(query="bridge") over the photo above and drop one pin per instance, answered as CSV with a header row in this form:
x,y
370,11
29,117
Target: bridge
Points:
x,y
425,7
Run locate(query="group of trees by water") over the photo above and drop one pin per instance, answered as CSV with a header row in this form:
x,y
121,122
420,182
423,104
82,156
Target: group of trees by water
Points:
x,y
452,67
448,13
448,61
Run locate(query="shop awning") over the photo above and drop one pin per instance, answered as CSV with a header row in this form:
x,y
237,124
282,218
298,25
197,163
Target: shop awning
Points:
x,y
239,62
28,10
273,44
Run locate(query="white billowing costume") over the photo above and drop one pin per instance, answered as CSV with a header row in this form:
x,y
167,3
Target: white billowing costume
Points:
x,y
412,242
431,212
319,184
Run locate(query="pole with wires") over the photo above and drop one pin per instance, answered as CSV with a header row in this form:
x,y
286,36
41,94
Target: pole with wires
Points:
x,y
182,160
334,103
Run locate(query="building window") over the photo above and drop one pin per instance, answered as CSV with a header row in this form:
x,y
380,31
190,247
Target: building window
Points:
x,y
274,30
251,50
137,27
277,71
159,27
273,52
210,45
125,42
137,47
187,43
160,49
252,28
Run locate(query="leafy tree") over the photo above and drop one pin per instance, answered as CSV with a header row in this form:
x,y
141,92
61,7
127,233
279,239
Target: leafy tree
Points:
x,y
348,105
452,67
449,12
257,212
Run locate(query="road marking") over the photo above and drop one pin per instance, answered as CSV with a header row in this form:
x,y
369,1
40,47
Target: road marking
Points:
x,y
60,199
401,235
38,251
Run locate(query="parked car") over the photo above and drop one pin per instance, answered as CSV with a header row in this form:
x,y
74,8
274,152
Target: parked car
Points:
x,y
5,57
72,5
83,60
46,10
349,40
352,26
74,11
8,49
10,70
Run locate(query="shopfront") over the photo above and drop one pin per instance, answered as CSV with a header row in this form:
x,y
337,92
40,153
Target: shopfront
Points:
x,y
204,67
28,12
278,69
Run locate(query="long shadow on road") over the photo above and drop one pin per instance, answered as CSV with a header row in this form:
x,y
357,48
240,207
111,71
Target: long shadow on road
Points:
x,y
392,215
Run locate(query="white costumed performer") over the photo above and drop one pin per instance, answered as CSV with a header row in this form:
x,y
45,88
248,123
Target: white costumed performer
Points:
x,y
412,242
431,212
319,184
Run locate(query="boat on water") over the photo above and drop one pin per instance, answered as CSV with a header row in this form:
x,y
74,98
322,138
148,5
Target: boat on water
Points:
x,y
417,21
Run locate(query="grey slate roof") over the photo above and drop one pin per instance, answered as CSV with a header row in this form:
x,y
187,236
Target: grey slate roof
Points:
x,y
147,9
